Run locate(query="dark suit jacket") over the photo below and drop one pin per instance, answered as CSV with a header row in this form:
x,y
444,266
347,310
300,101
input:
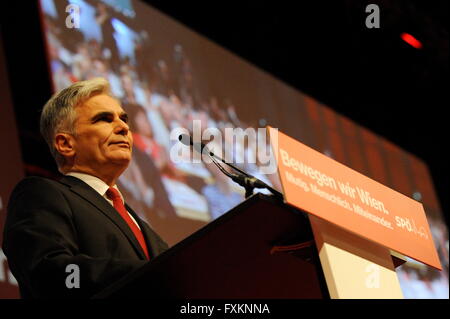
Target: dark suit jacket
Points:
x,y
52,224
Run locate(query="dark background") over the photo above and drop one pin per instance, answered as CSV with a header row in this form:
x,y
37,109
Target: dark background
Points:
x,y
322,48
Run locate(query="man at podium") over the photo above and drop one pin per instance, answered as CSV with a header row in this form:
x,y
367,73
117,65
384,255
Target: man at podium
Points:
x,y
73,237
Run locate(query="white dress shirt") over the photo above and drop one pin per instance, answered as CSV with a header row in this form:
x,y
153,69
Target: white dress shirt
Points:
x,y
100,187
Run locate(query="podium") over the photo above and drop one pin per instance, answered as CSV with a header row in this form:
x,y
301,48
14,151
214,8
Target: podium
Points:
x,y
261,249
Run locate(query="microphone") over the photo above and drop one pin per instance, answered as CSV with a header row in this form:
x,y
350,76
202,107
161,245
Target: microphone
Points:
x,y
244,179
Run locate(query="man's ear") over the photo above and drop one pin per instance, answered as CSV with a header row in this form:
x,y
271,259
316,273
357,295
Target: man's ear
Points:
x,y
64,144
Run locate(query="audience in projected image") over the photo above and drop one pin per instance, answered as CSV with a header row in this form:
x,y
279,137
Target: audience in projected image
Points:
x,y
143,139
219,193
161,100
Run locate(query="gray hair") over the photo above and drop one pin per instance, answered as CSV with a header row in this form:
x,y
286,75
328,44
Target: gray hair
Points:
x,y
58,114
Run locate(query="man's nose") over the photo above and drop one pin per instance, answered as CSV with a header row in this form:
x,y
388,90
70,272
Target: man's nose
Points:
x,y
121,127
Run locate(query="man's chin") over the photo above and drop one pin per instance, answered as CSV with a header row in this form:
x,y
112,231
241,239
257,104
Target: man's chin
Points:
x,y
121,160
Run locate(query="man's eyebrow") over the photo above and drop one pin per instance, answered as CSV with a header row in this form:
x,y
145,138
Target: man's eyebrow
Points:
x,y
107,113
100,115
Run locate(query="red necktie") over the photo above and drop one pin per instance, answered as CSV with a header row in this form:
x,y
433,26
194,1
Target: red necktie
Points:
x,y
113,194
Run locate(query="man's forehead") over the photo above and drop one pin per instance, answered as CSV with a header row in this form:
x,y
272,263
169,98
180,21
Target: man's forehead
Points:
x,y
101,103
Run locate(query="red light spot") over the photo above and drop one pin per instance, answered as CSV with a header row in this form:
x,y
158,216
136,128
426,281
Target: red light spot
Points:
x,y
408,38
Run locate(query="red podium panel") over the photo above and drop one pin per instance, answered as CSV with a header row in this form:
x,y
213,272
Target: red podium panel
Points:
x,y
260,249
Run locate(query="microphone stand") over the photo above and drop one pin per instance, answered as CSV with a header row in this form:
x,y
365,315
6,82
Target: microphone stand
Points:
x,y
244,179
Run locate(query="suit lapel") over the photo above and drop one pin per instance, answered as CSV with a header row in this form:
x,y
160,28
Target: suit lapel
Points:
x,y
93,197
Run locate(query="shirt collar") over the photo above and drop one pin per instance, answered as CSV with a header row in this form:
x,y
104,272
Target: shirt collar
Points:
x,y
96,183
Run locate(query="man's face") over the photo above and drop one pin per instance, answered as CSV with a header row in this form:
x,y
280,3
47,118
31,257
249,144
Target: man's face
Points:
x,y
103,139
